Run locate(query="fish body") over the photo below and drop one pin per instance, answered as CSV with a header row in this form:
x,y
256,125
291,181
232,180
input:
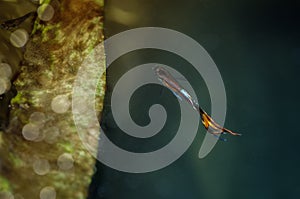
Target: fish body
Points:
x,y
170,82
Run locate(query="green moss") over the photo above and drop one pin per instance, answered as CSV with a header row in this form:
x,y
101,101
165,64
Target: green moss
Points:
x,y
46,29
4,185
45,1
37,25
67,147
17,162
100,2
19,99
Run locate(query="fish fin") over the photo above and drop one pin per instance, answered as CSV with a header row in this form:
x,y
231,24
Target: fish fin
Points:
x,y
161,92
220,138
231,132
180,79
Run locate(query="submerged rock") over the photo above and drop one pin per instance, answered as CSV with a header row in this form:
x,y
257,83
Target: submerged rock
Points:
x,y
41,153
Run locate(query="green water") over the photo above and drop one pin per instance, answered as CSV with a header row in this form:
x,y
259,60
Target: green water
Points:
x,y
255,45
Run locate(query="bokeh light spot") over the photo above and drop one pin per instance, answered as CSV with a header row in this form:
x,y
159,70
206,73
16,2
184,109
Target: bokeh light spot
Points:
x,y
48,193
38,118
4,85
65,161
31,131
19,38
6,195
5,70
60,104
45,12
41,166
51,134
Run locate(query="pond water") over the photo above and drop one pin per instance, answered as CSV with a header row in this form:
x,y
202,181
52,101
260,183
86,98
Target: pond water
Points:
x,y
255,45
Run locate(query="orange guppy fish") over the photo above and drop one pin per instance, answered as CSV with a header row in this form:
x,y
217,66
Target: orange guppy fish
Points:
x,y
210,125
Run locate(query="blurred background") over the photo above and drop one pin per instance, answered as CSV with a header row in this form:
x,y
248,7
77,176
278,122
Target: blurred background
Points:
x,y
256,46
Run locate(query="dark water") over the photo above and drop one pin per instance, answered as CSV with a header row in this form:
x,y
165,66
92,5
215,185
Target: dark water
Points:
x,y
256,47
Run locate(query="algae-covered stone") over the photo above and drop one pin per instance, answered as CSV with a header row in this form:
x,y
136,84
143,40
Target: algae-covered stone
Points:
x,y
34,162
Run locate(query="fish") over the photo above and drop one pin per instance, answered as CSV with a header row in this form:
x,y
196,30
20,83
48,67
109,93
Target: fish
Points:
x,y
209,124
170,82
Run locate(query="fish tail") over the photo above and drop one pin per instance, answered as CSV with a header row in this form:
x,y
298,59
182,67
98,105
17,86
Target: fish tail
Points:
x,y
231,132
